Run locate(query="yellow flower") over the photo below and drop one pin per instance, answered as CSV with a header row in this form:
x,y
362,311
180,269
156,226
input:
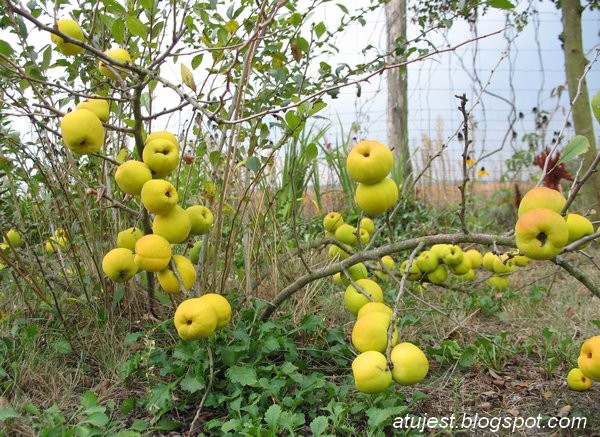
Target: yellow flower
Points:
x,y
483,172
470,161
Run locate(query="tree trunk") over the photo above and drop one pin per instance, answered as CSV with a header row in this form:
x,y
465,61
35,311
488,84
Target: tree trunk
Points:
x,y
575,64
397,107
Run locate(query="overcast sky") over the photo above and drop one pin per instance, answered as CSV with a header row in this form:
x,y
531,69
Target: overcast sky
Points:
x,y
525,78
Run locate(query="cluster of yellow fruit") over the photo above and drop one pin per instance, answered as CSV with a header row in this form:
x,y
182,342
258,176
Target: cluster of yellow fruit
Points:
x,y
58,241
71,28
580,378
370,338
369,163
541,231
435,264
370,332
171,224
199,317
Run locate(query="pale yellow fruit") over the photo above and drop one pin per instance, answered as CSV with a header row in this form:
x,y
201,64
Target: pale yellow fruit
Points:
x,y
119,55
541,197
152,253
497,282
221,306
356,271
369,162
174,225
337,278
589,358
131,176
201,219
194,320
521,261
414,272
163,135
161,155
577,381
159,196
118,264
370,332
377,198
99,107
488,261
346,234
56,243
367,224
13,238
71,28
374,307
128,238
82,132
410,364
371,373
354,299
475,257
337,253
168,280
579,227
332,221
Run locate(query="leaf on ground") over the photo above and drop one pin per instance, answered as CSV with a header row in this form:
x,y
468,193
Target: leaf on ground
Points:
x,y
243,375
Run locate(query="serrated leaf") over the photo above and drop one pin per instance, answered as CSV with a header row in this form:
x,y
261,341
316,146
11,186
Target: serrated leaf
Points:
x,y
8,413
577,146
62,347
319,425
188,77
135,26
89,399
132,337
191,384
272,416
243,375
98,419
500,4
379,416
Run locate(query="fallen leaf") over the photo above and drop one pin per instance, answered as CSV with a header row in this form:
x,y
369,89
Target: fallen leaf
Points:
x,y
565,411
513,412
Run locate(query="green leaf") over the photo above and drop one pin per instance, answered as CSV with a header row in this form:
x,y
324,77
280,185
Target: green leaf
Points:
x,y
135,26
62,347
8,413
320,29
381,416
98,419
232,26
191,384
316,107
89,399
500,4
118,31
272,416
253,163
577,146
319,425
132,337
243,375
5,48
311,151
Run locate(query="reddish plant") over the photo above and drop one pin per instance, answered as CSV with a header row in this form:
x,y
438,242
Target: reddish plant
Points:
x,y
555,172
